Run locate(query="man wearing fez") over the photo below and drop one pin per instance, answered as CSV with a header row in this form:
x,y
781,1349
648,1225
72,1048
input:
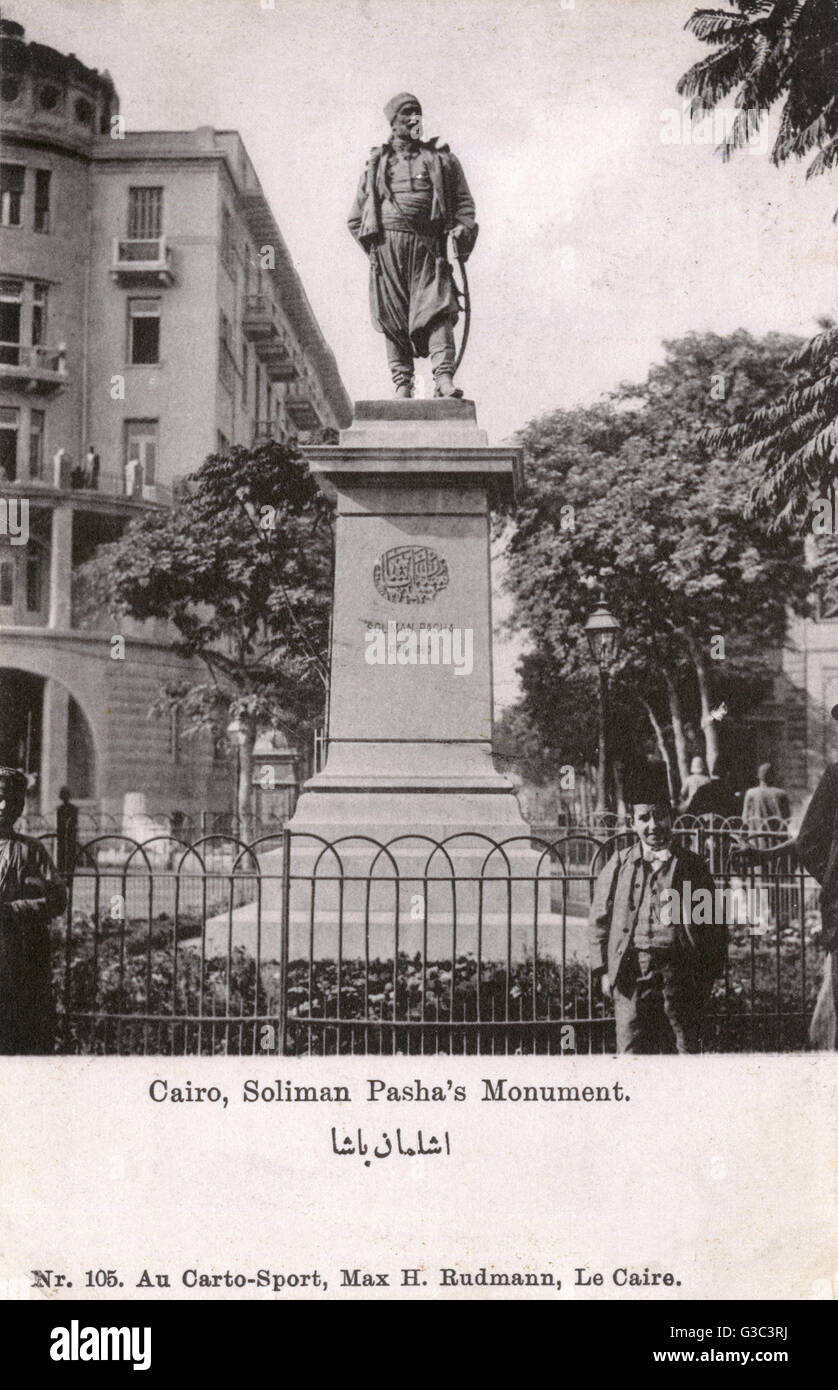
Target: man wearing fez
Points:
x,y
411,195
31,894
655,954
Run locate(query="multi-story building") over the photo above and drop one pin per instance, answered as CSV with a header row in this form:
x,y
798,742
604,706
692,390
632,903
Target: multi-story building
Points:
x,y
150,314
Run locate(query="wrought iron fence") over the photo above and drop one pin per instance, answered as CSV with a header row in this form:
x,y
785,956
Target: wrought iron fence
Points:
x,y
297,946
142,825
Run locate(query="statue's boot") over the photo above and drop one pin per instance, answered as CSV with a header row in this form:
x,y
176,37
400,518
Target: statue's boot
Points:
x,y
444,386
405,390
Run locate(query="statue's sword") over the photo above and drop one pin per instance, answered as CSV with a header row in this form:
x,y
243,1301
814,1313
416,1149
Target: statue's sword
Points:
x,y
466,305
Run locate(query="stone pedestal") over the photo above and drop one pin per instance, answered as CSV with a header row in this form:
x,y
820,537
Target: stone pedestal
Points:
x,y
410,709
409,763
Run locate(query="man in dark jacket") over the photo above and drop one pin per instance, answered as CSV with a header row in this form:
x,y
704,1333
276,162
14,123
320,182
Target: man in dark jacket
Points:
x,y
717,797
31,894
657,933
411,195
66,833
817,850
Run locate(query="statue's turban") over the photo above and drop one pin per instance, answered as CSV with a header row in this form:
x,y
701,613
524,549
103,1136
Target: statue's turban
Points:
x,y
395,105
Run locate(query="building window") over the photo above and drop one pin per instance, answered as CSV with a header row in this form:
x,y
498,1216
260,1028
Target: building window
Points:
x,y
145,213
43,179
226,361
140,455
84,111
37,422
49,97
245,373
33,584
11,299
11,194
7,584
9,426
143,331
39,314
228,250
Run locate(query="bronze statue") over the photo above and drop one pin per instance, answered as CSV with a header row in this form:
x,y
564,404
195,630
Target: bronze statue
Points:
x,y
412,195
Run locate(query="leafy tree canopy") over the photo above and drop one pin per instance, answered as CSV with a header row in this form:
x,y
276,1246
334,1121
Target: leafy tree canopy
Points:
x,y
782,53
771,53
240,567
625,496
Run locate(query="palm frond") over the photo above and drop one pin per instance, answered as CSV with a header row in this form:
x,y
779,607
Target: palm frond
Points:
x,y
711,79
716,26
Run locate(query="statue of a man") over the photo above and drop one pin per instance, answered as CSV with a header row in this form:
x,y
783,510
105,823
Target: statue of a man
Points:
x,y
412,194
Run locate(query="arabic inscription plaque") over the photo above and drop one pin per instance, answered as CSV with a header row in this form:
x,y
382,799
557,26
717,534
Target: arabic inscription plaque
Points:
x,y
410,574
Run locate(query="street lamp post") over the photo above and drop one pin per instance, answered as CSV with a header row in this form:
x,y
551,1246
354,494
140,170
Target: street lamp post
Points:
x,y
603,633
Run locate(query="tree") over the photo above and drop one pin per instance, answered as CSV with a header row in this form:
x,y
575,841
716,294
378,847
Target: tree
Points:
x,y
793,441
770,54
627,496
240,566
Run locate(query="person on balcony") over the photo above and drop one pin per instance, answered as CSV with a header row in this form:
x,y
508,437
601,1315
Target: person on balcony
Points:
x,y
62,468
655,954
31,894
91,468
134,478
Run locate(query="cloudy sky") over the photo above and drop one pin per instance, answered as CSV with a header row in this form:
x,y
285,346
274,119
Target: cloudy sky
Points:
x,y
605,227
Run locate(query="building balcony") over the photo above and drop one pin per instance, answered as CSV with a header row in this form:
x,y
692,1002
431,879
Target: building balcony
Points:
x,y
62,477
301,409
141,261
258,320
260,326
39,370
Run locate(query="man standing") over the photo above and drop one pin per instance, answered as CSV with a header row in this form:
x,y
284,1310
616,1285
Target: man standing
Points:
x,y
817,850
717,797
656,957
31,894
66,833
91,466
411,195
699,777
766,807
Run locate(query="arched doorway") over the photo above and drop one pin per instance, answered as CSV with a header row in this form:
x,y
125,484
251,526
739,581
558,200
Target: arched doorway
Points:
x,y
44,730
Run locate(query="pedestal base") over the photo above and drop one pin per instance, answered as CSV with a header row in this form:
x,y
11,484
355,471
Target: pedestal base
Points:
x,y
398,837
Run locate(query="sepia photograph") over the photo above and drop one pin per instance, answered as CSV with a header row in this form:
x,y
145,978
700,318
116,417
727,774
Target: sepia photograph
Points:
x,y
249,807
418,573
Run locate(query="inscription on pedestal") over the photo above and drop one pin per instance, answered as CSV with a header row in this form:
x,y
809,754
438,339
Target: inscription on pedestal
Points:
x,y
410,574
